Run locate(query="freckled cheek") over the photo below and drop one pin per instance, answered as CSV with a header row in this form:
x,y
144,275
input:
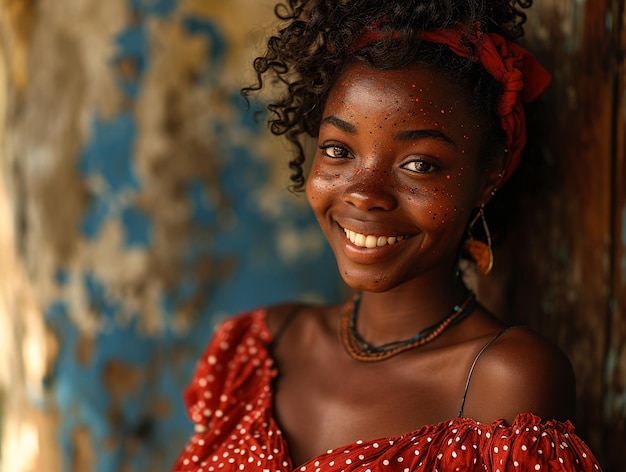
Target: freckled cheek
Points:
x,y
322,188
316,202
442,214
437,206
323,179
447,190
449,214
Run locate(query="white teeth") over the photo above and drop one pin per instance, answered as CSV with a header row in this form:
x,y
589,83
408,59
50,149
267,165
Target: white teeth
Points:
x,y
359,240
371,241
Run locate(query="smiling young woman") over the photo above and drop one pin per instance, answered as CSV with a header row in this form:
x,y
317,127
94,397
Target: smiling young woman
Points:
x,y
417,111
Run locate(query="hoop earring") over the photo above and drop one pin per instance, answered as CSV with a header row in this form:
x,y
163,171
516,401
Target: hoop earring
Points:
x,y
478,251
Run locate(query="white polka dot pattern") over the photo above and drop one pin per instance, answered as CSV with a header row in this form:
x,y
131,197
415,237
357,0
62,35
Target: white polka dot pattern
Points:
x,y
230,402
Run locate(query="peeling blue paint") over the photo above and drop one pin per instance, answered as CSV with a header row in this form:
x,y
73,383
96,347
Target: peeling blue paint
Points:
x,y
154,7
100,302
167,302
203,209
61,276
78,389
108,154
199,26
137,227
108,157
187,287
82,396
133,43
240,174
94,218
131,59
250,114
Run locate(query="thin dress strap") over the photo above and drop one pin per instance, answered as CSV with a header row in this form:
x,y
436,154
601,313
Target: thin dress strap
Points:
x,y
471,371
286,322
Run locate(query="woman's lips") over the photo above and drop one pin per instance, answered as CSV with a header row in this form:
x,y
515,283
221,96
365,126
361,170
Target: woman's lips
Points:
x,y
371,241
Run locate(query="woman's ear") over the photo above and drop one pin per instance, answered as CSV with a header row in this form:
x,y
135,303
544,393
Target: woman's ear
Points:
x,y
493,177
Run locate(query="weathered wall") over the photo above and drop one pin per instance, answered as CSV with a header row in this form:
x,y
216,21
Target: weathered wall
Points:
x,y
139,204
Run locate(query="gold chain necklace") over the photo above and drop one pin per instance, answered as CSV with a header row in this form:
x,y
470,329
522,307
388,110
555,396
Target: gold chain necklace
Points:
x,y
361,350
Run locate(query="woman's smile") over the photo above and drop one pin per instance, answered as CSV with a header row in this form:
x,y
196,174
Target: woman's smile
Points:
x,y
375,248
371,241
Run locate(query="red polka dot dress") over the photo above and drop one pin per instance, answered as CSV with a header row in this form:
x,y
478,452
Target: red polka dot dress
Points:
x,y
230,402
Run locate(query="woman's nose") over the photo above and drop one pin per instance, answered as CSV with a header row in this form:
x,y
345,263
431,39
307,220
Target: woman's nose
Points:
x,y
370,189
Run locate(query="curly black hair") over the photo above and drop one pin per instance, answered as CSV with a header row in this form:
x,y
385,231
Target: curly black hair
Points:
x,y
317,40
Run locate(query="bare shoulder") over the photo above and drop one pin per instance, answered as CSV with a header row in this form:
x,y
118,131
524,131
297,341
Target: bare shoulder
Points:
x,y
521,372
280,317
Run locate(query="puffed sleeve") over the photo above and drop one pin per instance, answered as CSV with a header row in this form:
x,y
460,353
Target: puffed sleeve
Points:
x,y
229,398
234,353
531,444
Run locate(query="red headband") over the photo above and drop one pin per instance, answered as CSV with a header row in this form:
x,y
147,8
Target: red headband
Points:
x,y
522,77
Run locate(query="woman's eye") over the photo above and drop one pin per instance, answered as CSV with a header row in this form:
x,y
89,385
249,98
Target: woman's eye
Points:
x,y
335,152
419,166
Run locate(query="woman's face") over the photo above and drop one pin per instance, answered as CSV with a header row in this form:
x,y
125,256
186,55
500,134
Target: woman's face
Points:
x,y
397,173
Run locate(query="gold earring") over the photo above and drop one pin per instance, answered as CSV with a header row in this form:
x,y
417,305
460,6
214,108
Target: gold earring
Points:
x,y
478,251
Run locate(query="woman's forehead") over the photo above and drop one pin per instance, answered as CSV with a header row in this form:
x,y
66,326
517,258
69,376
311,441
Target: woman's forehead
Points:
x,y
418,92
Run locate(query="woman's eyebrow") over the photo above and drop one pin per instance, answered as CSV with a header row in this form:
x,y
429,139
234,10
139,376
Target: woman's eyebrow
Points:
x,y
411,135
339,123
417,134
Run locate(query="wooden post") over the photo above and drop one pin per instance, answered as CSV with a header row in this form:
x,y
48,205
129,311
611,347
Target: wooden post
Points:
x,y
564,270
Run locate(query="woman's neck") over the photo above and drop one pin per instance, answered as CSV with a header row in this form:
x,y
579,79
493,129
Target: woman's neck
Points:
x,y
405,310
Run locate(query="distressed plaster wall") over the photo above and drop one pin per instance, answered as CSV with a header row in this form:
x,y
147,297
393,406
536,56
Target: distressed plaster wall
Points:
x,y
140,204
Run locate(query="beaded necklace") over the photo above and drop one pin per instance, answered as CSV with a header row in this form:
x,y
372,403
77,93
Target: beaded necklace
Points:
x,y
361,350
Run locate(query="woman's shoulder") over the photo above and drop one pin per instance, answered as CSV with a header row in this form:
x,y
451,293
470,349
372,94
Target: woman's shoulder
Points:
x,y
305,315
264,323
521,372
278,317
